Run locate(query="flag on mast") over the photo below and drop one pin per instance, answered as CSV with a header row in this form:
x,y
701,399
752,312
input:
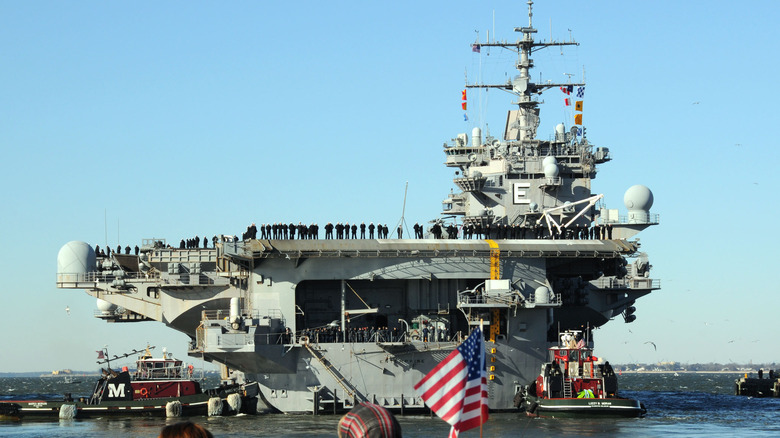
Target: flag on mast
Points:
x,y
456,389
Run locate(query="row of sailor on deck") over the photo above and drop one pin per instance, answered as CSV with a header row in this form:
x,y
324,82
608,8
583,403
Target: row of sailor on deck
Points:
x,y
537,231
470,231
347,231
99,252
282,231
333,333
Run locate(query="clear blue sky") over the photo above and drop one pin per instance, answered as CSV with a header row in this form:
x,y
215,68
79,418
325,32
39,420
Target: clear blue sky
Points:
x,y
170,119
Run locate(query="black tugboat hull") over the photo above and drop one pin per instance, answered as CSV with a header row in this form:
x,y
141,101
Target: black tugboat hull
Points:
x,y
583,407
191,405
52,409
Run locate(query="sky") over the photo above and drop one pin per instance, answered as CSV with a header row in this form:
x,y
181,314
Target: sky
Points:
x,y
121,121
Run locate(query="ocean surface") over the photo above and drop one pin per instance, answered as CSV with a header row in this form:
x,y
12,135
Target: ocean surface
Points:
x,y
684,405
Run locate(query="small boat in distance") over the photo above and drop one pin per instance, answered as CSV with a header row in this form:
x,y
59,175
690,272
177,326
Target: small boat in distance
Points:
x,y
576,384
758,387
160,386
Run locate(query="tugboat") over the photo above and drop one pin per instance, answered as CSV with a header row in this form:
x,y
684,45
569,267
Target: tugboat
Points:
x,y
160,386
575,384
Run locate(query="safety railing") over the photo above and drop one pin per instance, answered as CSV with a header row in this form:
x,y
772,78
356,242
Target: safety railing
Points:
x,y
627,283
149,276
652,218
470,298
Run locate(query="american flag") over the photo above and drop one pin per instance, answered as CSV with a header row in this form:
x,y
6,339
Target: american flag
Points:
x,y
456,389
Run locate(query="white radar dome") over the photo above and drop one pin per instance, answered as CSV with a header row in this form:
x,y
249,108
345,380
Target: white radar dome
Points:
x,y
105,307
638,200
476,137
549,160
551,170
75,258
542,295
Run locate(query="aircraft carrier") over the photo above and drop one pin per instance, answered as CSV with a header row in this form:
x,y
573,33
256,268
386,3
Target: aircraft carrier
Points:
x,y
524,247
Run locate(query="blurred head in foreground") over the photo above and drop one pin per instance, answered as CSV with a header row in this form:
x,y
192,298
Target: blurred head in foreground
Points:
x,y
368,420
185,430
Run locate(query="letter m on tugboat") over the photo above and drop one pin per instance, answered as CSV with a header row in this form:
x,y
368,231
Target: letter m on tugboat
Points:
x,y
116,391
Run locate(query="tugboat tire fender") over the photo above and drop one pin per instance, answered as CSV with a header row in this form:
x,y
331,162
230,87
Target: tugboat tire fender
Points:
x,y
532,409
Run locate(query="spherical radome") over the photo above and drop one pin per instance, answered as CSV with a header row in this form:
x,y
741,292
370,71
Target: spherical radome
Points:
x,y
105,306
551,170
638,197
75,257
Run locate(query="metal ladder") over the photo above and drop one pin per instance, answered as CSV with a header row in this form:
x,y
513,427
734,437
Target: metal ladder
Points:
x,y
567,388
351,392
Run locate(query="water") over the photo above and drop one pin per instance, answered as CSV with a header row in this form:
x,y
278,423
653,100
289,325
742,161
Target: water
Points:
x,y
694,405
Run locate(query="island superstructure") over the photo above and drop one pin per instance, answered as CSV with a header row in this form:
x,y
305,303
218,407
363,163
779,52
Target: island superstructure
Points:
x,y
526,249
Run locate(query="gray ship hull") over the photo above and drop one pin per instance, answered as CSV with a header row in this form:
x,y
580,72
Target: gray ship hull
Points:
x,y
405,285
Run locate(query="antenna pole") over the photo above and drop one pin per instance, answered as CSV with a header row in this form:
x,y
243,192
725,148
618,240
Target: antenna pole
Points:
x,y
402,222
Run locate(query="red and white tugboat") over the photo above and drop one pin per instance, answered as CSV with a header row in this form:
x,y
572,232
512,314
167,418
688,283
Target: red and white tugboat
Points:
x,y
162,386
575,384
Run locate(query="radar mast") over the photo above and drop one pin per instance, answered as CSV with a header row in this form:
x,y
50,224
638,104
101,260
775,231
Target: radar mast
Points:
x,y
523,122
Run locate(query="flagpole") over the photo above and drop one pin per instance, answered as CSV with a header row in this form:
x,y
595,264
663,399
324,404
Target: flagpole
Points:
x,y
481,411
